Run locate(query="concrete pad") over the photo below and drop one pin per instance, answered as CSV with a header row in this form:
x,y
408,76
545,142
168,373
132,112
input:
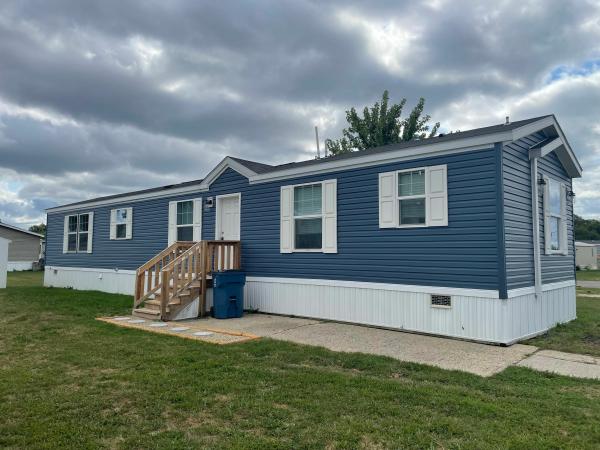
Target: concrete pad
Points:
x,y
480,359
588,284
569,364
258,324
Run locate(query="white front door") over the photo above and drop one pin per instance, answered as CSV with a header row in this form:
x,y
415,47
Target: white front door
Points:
x,y
228,218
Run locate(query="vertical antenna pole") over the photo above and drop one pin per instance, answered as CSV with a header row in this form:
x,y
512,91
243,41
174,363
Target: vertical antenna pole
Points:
x,y
317,138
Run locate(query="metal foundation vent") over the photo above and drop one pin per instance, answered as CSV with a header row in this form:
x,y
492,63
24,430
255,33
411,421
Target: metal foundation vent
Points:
x,y
441,301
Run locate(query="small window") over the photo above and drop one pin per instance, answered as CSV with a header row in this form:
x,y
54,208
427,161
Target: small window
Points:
x,y
308,218
441,301
121,223
185,220
416,197
411,198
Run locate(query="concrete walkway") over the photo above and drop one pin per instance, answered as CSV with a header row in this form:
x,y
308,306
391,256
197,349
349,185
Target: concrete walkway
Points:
x,y
569,364
589,284
450,354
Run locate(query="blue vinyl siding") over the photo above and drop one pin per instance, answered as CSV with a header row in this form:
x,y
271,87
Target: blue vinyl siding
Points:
x,y
463,254
518,217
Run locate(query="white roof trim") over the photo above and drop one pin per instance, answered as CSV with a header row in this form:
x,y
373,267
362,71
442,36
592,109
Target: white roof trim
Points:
x,y
12,227
366,161
169,192
226,163
564,152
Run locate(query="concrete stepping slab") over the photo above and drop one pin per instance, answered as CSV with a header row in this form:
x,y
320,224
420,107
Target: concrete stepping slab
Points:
x,y
121,318
158,325
203,333
569,364
136,321
179,329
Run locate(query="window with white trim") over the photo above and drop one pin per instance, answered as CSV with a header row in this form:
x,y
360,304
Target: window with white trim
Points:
x,y
555,211
411,198
416,197
121,223
185,220
309,217
78,231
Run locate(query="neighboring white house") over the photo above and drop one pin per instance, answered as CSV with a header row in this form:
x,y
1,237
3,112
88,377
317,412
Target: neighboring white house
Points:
x,y
25,248
586,255
3,261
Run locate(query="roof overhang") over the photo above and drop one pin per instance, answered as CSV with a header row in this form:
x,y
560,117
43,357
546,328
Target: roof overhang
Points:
x,y
555,142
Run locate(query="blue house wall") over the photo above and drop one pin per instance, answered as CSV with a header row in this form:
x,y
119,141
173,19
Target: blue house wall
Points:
x,y
464,254
518,217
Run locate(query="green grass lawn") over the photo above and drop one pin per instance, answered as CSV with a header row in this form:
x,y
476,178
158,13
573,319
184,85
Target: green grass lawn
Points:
x,y
69,381
588,275
581,335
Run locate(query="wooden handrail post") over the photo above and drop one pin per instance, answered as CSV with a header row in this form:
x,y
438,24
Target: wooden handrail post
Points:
x,y
164,295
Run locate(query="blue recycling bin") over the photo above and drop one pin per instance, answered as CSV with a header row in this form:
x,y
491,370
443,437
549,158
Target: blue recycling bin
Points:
x,y
228,294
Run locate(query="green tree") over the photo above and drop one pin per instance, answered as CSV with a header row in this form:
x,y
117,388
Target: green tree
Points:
x,y
381,125
587,229
39,229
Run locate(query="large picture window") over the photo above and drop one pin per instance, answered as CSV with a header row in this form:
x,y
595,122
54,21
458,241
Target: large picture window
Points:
x,y
308,217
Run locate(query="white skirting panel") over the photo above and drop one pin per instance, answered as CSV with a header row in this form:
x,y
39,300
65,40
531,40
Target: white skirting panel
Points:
x,y
471,317
14,266
106,280
530,316
474,315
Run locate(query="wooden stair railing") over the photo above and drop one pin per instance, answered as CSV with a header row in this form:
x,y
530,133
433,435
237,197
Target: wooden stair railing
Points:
x,y
184,276
148,277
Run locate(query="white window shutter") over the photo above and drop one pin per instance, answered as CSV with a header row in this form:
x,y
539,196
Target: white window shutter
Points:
x,y
66,235
197,219
113,224
172,222
564,244
388,203
329,203
90,232
128,224
546,208
436,188
286,219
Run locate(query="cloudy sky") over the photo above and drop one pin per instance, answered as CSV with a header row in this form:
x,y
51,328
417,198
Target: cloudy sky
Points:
x,y
105,97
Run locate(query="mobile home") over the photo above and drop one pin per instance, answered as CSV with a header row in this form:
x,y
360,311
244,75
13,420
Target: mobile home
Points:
x,y
468,235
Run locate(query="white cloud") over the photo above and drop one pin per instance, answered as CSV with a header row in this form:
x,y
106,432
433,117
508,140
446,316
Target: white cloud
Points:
x,y
117,96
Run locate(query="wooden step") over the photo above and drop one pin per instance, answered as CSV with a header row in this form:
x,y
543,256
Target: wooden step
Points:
x,y
146,313
154,305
